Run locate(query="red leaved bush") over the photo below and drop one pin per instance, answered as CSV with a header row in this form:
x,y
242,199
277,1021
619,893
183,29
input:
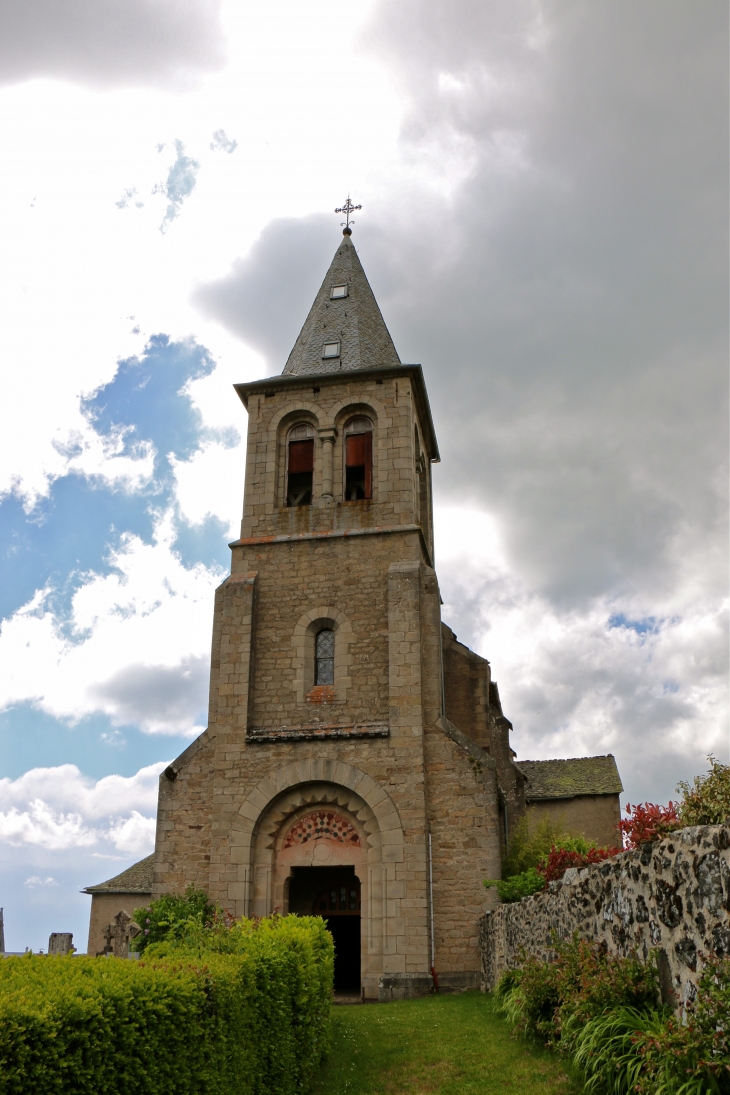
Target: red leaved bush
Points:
x,y
557,862
648,822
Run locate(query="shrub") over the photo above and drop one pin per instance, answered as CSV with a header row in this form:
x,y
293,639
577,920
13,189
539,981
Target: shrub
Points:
x,y
605,1049
527,846
518,886
603,1012
553,1000
543,856
691,1053
647,822
252,1020
171,916
707,800
556,863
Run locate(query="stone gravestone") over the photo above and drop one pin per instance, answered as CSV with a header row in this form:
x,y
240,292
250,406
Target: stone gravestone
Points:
x,y
61,943
118,934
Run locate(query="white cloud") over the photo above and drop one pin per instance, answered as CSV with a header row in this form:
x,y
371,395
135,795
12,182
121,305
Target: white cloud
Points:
x,y
139,626
645,680
59,809
205,485
108,43
75,267
541,186
35,880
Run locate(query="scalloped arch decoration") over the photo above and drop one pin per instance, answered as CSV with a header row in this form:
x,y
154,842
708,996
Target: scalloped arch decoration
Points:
x,y
322,825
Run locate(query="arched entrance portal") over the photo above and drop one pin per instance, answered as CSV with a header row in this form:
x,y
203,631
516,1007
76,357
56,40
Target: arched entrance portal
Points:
x,y
334,894
283,825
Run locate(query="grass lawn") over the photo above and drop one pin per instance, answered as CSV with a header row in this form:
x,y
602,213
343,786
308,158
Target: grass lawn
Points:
x,y
436,1045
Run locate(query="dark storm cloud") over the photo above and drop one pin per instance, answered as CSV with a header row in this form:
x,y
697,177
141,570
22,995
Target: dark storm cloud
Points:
x,y
575,324
266,296
110,43
158,697
569,301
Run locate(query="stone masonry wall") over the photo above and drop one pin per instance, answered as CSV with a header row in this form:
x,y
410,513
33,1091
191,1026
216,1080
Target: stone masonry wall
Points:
x,y
364,567
595,816
672,897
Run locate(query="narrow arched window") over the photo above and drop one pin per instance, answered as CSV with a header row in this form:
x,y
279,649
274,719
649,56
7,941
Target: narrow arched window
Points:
x,y
358,459
324,657
299,465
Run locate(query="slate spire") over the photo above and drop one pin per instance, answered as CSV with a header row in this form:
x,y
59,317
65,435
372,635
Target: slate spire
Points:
x,y
343,333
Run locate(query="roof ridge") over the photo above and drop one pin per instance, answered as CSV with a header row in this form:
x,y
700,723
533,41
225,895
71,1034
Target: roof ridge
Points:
x,y
134,879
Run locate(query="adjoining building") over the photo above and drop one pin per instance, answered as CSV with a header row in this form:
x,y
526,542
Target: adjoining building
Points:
x,y
580,795
357,762
125,892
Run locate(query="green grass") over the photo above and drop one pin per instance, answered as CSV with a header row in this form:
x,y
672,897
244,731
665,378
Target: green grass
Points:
x,y
436,1045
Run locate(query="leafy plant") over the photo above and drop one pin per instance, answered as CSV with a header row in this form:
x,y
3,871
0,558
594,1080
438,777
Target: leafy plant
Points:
x,y
518,886
559,859
543,855
605,1049
171,916
707,800
603,1012
691,1054
528,845
553,1000
647,822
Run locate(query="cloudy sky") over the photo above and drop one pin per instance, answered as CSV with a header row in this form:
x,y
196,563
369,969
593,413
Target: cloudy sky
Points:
x,y
544,187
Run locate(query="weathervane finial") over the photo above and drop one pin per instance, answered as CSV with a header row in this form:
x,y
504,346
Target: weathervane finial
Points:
x,y
347,209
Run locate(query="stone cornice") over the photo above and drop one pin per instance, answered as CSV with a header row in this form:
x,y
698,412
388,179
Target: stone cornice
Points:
x,y
317,733
333,534
274,384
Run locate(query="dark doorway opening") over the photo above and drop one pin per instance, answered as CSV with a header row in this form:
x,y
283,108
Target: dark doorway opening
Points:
x,y
334,894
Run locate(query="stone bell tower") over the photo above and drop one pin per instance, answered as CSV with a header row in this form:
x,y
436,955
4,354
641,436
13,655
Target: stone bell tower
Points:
x,y
330,780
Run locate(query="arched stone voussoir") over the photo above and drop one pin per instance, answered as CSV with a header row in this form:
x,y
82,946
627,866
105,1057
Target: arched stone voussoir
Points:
x,y
316,770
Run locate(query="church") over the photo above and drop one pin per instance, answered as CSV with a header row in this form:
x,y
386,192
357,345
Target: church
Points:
x,y
357,763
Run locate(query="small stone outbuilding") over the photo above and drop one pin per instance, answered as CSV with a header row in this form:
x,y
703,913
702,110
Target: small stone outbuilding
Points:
x,y
581,795
124,893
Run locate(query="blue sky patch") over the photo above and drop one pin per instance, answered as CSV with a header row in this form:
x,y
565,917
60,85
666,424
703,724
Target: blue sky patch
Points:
x,y
72,534
647,625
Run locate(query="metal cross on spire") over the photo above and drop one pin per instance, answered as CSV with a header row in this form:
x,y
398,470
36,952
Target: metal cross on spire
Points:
x,y
347,209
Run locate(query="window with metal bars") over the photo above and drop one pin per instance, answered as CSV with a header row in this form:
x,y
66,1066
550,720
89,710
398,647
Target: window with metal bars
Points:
x,y
300,465
324,657
338,900
358,459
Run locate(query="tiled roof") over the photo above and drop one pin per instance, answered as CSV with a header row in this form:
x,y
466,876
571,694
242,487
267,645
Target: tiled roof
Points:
x,y
570,778
355,321
136,879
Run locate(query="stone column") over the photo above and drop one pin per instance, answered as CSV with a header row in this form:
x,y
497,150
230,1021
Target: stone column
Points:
x,y
327,437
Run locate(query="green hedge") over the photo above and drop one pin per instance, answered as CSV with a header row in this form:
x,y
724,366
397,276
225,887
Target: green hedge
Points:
x,y
251,1021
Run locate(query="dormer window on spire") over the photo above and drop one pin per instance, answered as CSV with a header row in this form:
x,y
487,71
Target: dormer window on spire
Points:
x,y
337,292
331,349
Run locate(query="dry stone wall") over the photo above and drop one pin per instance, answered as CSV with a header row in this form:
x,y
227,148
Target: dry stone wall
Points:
x,y
672,897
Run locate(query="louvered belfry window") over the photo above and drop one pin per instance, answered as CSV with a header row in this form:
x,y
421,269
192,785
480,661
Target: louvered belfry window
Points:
x,y
300,465
358,459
